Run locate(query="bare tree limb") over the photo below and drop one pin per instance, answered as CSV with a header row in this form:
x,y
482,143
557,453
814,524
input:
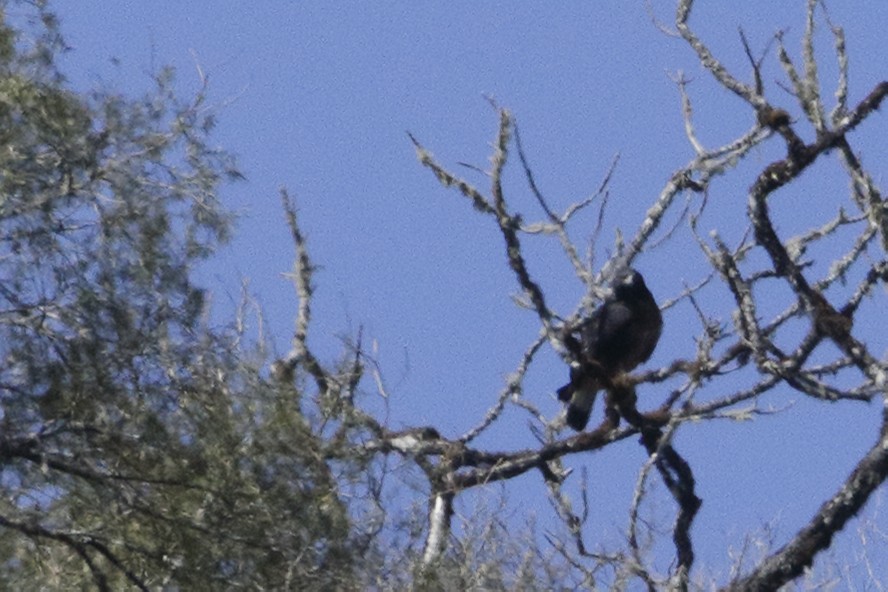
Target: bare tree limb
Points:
x,y
790,561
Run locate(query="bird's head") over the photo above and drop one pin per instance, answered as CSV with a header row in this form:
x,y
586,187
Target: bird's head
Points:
x,y
629,283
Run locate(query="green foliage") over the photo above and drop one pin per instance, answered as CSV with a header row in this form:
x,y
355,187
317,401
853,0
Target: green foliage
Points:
x,y
139,448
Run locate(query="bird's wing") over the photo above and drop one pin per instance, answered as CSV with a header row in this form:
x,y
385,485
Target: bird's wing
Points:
x,y
609,321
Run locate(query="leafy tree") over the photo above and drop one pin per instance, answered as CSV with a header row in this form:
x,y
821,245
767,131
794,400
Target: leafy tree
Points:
x,y
144,448
138,446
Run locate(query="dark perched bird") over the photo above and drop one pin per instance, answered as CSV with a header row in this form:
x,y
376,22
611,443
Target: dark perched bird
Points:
x,y
621,334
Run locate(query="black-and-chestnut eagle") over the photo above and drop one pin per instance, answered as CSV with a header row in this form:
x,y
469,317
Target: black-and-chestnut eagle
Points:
x,y
621,334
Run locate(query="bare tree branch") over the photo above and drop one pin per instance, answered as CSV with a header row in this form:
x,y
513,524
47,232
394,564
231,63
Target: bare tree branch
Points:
x,y
790,561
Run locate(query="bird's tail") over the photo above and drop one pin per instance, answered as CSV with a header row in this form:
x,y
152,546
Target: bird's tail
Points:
x,y
580,408
577,418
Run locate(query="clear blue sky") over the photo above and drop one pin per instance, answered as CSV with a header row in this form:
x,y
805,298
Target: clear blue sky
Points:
x,y
318,96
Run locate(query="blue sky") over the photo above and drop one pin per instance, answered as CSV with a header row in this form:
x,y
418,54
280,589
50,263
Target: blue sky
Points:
x,y
318,96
